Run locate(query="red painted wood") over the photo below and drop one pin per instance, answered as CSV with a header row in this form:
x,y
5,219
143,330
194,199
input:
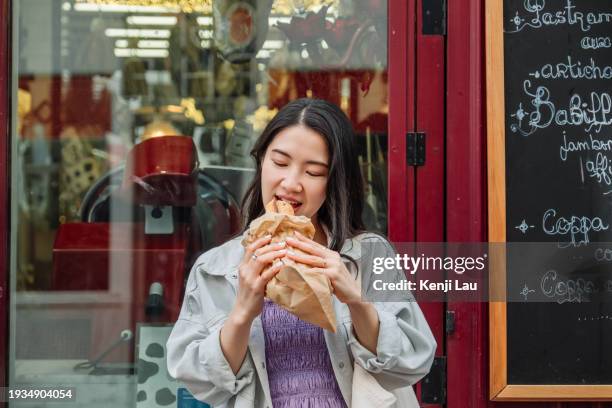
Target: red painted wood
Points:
x,y
406,71
5,86
467,347
430,177
401,119
430,119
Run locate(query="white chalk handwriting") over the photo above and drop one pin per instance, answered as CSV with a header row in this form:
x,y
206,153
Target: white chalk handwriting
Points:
x,y
604,255
594,113
587,145
526,291
567,290
523,226
576,228
595,43
537,17
599,169
570,69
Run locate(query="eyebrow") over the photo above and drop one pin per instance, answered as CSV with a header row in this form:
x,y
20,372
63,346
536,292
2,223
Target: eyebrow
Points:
x,y
308,162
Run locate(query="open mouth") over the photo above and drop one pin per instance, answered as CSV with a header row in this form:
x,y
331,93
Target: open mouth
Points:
x,y
294,204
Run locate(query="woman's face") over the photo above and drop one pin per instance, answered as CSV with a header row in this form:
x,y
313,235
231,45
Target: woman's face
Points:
x,y
295,169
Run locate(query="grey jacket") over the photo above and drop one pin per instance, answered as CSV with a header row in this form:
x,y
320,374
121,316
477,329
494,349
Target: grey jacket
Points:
x,y
405,348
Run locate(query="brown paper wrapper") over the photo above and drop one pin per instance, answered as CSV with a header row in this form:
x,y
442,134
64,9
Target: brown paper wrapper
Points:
x,y
296,287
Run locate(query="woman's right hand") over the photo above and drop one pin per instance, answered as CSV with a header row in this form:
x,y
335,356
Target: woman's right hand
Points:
x,y
252,278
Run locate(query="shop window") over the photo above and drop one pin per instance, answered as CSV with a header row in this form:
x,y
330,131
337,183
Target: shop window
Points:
x,y
134,123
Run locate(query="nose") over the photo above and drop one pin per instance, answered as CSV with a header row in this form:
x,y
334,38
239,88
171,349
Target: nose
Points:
x,y
292,182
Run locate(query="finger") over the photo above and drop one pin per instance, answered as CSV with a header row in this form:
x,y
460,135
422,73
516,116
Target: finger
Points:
x,y
311,260
268,258
324,271
272,271
270,247
306,246
253,246
304,238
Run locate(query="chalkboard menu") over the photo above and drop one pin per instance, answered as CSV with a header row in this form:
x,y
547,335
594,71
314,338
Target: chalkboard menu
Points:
x,y
549,81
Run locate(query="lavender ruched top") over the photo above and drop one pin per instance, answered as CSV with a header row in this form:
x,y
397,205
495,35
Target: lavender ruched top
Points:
x,y
299,369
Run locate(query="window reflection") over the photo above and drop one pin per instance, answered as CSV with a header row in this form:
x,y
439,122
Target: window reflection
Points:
x,y
109,95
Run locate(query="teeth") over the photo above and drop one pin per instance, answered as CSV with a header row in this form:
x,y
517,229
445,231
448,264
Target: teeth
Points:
x,y
290,202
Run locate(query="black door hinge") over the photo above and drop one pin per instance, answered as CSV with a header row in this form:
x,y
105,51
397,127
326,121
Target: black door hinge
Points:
x,y
434,17
450,322
433,385
415,148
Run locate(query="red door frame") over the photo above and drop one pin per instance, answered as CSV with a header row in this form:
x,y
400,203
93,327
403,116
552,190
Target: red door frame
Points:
x,y
5,133
467,347
429,101
401,69
415,196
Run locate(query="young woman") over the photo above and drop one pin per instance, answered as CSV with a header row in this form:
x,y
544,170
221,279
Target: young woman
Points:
x,y
233,347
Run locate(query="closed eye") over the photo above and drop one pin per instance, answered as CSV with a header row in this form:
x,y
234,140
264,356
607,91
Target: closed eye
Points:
x,y
280,164
315,174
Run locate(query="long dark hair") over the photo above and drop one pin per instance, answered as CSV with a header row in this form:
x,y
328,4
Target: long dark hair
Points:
x,y
342,210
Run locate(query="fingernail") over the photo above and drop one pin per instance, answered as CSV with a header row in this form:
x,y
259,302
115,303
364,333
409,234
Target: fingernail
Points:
x,y
297,233
269,236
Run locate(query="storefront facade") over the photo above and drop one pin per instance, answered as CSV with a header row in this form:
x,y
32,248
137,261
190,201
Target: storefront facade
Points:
x,y
83,84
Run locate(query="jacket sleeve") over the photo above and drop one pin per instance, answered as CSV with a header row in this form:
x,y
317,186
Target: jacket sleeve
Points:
x,y
406,345
194,355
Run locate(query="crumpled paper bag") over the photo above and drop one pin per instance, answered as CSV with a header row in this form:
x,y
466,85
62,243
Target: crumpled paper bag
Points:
x,y
296,287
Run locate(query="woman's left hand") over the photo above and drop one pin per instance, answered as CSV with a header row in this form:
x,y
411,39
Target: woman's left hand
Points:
x,y
328,262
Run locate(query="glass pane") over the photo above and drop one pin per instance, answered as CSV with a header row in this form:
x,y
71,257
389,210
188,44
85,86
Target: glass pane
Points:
x,y
134,124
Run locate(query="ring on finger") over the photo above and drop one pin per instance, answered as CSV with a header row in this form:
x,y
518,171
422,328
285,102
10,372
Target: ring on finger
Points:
x,y
254,257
